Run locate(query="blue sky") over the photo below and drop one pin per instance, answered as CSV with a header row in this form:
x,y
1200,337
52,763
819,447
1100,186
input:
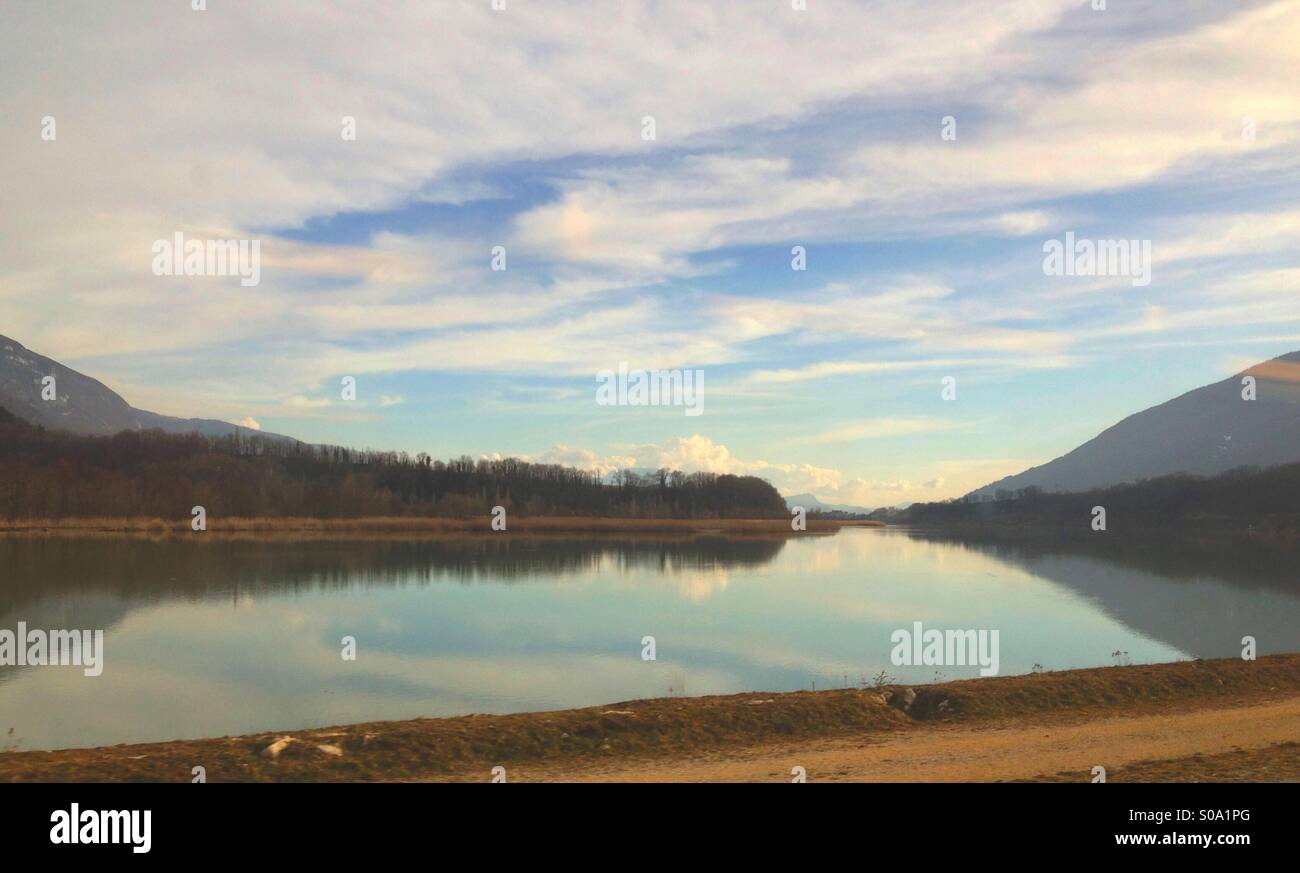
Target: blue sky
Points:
x,y
1173,123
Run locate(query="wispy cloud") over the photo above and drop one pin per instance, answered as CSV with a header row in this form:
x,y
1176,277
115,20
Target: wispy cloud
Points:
x,y
882,428
818,129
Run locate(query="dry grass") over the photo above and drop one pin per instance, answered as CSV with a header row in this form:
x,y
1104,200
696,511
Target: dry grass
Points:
x,y
468,747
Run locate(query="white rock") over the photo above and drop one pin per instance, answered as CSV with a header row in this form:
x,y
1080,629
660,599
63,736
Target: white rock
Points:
x,y
272,752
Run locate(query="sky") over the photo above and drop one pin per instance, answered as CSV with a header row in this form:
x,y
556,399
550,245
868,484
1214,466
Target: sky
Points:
x,y
922,155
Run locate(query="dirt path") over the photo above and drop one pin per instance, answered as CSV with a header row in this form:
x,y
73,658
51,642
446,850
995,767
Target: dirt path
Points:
x,y
955,752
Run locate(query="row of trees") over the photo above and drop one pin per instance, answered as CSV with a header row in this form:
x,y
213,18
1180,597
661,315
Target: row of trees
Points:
x,y
52,474
1241,498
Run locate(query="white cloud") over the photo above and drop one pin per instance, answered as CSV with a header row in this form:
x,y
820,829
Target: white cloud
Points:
x,y
947,479
880,428
775,128
695,453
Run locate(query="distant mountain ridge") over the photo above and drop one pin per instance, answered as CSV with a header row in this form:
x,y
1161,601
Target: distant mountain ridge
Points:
x,y
811,503
84,405
1205,432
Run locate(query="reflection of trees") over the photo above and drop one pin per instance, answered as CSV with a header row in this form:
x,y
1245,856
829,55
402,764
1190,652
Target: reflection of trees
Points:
x,y
1238,562
34,568
1197,597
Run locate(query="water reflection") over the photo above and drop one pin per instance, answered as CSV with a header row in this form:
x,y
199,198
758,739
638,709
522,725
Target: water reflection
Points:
x,y
210,637
1199,597
33,568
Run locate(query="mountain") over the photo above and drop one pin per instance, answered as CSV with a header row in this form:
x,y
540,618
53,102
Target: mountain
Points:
x,y
84,405
812,504
1204,432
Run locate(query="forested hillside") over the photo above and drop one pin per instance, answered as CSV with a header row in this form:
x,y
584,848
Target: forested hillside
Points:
x,y
1249,499
54,474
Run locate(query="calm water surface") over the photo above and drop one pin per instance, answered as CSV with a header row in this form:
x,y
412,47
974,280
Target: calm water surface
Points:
x,y
207,638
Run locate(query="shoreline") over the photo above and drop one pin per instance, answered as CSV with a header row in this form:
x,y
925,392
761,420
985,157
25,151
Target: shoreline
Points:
x,y
1219,720
421,525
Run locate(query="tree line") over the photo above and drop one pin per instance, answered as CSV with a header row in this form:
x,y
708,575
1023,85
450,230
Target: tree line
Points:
x,y
1248,498
54,474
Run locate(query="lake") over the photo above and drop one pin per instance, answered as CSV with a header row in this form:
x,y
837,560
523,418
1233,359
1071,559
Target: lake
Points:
x,y
208,637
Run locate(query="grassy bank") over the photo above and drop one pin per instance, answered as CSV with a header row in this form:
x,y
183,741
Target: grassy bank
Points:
x,y
416,525
669,730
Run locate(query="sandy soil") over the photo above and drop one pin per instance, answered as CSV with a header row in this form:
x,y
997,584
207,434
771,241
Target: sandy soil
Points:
x,y
958,753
